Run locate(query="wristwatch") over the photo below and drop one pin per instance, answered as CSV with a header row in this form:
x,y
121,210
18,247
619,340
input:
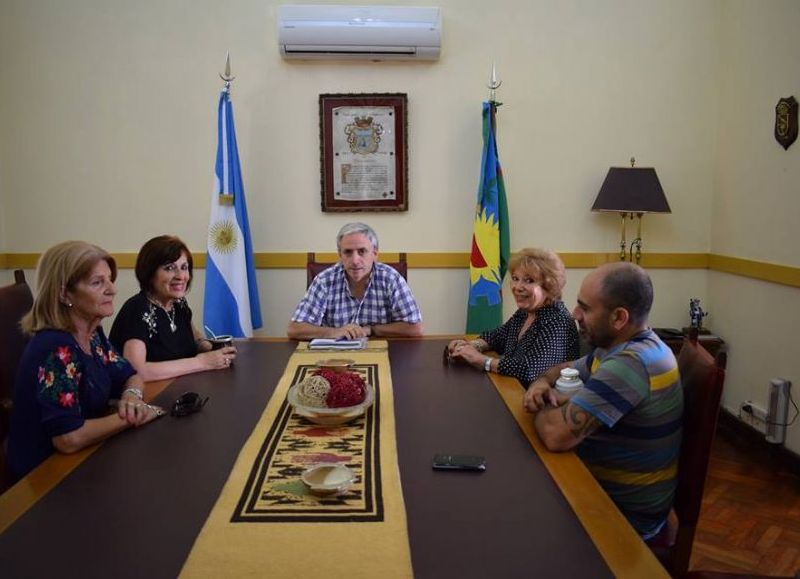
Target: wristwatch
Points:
x,y
487,364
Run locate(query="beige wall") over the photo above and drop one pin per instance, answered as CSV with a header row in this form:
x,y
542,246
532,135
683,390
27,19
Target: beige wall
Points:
x,y
756,202
109,121
112,135
108,134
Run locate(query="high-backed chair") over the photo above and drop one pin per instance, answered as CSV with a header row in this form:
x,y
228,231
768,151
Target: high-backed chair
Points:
x,y
15,301
314,267
702,379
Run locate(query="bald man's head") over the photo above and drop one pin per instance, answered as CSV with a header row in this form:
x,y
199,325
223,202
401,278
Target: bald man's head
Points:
x,y
626,285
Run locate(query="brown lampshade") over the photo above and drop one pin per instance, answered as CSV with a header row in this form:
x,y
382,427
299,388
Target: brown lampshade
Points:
x,y
631,190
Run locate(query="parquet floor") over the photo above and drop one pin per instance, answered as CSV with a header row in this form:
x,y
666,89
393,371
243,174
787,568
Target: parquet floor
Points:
x,y
750,521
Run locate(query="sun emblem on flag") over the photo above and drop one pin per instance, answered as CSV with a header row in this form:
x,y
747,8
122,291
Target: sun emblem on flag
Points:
x,y
222,236
484,259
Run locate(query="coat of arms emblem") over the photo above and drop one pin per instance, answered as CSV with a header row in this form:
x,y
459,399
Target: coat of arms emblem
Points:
x,y
786,121
363,135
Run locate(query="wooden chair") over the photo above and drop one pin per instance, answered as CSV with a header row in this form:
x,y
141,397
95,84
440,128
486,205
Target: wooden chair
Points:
x,y
15,301
702,378
314,267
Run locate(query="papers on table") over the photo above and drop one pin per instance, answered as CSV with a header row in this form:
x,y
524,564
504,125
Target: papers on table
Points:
x,y
341,344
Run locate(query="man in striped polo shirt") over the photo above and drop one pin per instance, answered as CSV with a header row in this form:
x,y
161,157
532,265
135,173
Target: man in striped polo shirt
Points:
x,y
625,423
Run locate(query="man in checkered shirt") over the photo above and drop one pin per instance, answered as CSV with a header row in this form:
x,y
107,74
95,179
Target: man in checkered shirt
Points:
x,y
357,297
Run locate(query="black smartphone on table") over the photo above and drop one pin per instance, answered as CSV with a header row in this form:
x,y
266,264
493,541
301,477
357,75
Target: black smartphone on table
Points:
x,y
459,462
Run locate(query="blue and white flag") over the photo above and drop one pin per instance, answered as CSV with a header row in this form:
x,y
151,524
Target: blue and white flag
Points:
x,y
231,297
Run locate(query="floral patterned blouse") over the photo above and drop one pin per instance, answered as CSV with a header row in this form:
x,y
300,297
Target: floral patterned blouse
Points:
x,y
58,387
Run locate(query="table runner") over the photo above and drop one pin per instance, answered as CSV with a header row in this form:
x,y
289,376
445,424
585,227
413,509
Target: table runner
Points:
x,y
266,524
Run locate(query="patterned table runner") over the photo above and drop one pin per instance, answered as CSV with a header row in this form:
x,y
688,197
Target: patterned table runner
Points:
x,y
266,523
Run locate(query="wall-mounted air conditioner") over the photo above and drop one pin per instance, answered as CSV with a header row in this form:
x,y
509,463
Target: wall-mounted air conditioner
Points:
x,y
359,32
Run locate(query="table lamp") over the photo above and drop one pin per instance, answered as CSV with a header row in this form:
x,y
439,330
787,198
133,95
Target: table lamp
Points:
x,y
631,191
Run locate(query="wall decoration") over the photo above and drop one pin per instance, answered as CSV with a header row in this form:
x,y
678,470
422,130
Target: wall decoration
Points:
x,y
786,121
363,146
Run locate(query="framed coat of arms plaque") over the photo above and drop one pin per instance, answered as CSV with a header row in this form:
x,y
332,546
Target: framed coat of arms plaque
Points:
x,y
363,146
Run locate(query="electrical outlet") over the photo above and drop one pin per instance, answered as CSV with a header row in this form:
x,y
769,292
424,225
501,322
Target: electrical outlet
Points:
x,y
753,415
759,418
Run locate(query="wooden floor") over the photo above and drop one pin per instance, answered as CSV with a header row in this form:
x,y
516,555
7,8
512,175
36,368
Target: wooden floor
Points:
x,y
750,522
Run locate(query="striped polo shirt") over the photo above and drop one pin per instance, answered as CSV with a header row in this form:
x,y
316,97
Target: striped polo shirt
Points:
x,y
634,390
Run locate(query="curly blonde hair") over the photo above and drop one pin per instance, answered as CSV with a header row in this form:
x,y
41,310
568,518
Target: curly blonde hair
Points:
x,y
545,267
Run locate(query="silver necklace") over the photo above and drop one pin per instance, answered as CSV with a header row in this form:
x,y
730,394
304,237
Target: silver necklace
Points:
x,y
171,318
170,315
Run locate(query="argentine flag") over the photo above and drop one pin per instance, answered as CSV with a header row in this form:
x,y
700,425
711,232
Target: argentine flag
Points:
x,y
231,297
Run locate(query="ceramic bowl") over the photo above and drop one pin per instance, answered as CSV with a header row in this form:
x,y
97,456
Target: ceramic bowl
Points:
x,y
328,478
331,416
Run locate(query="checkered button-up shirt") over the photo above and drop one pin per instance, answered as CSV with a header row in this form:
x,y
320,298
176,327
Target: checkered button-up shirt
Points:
x,y
328,302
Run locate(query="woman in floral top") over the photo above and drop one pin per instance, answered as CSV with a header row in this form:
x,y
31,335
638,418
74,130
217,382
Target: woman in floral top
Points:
x,y
540,334
69,371
154,328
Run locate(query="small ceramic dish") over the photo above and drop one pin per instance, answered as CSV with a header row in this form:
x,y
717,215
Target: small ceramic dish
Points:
x,y
328,478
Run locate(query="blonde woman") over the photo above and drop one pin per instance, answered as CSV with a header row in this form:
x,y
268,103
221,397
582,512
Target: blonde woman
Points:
x,y
69,370
540,334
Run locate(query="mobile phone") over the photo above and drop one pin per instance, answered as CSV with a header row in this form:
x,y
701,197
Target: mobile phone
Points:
x,y
459,462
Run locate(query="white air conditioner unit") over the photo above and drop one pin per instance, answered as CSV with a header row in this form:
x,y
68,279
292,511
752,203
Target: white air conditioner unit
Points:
x,y
359,32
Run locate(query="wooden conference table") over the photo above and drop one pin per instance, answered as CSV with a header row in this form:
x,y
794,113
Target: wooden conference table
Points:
x,y
134,507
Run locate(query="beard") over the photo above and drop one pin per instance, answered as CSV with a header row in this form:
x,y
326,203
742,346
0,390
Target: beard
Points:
x,y
598,337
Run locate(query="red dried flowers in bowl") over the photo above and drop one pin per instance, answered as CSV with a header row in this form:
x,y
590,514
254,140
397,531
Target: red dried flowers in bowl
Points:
x,y
347,388
331,397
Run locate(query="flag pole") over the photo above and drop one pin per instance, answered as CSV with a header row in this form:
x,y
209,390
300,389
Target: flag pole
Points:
x,y
225,196
493,85
227,75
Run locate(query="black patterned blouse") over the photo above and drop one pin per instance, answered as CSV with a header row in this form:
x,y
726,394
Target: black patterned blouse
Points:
x,y
551,339
167,337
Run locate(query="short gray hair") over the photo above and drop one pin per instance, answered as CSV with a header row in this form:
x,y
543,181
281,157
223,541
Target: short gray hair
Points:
x,y
357,228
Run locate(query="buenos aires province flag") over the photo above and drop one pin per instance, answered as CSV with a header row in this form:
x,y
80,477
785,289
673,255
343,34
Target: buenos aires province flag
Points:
x,y
488,259
231,294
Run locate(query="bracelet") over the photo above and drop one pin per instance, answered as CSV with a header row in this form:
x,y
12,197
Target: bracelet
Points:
x,y
487,364
135,391
477,344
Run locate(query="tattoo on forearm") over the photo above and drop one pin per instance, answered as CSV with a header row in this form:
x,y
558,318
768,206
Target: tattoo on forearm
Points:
x,y
579,422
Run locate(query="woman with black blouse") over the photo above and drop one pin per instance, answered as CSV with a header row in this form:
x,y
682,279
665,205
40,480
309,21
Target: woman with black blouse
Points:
x,y
154,329
540,334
